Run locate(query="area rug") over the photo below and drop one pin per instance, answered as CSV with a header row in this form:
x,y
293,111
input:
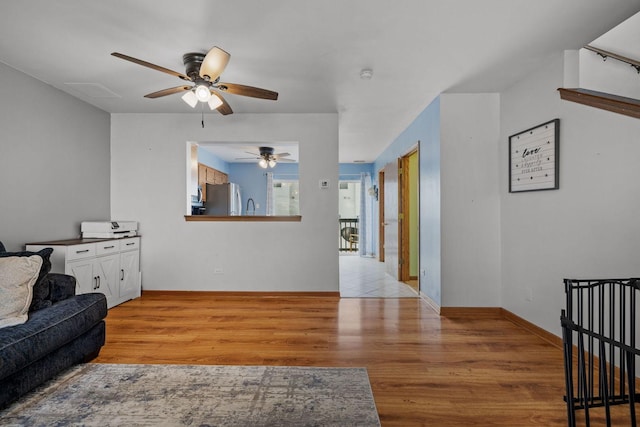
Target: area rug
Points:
x,y
186,395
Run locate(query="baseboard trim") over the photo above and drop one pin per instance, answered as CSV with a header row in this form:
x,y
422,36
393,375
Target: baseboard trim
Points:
x,y
474,312
534,329
431,303
501,313
283,294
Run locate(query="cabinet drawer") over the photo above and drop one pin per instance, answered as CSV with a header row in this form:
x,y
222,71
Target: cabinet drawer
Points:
x,y
81,251
129,244
108,247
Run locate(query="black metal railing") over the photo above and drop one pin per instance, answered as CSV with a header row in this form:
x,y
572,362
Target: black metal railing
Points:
x,y
600,351
348,234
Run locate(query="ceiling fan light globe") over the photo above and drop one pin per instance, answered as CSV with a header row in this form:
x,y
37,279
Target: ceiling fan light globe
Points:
x,y
214,63
214,102
190,98
203,93
272,163
263,163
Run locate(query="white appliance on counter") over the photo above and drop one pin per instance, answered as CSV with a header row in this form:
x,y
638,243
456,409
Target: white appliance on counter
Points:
x,y
108,229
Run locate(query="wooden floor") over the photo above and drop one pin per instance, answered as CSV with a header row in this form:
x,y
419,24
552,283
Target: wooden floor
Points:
x,y
424,369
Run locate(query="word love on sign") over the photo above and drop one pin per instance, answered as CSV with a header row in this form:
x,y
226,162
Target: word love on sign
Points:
x,y
533,158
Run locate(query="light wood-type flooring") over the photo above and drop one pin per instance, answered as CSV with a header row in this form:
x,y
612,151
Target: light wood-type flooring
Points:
x,y
425,370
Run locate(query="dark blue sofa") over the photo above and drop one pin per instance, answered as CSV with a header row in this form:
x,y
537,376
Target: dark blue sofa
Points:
x,y
63,329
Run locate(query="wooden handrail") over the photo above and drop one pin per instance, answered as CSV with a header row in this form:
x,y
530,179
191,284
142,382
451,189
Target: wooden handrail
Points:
x,y
606,54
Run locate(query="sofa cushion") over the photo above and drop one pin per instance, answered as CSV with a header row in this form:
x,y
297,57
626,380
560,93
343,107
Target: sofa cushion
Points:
x,y
41,287
61,286
17,276
48,329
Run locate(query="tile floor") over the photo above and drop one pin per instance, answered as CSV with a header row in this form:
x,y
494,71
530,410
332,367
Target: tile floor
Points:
x,y
366,278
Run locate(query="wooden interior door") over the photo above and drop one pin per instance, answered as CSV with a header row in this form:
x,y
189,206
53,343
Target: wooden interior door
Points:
x,y
409,217
391,229
381,215
403,218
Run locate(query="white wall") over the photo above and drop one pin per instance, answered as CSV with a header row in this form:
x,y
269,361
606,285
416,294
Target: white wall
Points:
x,y
148,179
54,161
586,229
470,211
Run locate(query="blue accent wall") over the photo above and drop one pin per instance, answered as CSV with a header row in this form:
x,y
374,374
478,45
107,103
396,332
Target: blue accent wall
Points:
x,y
426,129
252,180
207,158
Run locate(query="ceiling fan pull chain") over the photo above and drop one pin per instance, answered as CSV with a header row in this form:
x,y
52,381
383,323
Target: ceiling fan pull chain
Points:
x,y
202,112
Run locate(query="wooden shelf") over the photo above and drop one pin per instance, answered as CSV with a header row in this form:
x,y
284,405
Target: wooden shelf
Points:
x,y
604,101
244,218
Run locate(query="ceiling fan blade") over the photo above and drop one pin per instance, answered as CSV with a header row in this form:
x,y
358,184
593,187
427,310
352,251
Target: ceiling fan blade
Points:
x,y
150,65
170,91
223,109
279,155
214,63
286,160
248,158
254,92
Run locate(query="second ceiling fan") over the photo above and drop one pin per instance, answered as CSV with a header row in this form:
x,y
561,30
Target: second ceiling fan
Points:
x,y
203,70
267,157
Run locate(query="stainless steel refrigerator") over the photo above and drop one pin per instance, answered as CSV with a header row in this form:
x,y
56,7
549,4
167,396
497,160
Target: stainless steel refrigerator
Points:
x,y
223,200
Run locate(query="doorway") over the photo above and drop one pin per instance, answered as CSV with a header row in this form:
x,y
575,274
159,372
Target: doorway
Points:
x,y
409,218
389,221
349,216
381,215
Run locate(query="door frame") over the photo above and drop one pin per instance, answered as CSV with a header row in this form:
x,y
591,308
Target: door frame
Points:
x,y
404,207
381,215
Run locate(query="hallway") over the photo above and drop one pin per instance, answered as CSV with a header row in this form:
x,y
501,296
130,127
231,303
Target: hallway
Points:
x,y
366,278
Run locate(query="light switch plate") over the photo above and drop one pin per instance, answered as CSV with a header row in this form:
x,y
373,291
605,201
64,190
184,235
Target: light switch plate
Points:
x,y
324,184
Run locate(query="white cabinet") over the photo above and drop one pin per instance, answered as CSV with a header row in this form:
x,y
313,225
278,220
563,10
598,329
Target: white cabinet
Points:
x,y
111,267
98,274
129,274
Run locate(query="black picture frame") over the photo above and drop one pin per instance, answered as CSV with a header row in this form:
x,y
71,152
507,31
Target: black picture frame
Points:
x,y
534,161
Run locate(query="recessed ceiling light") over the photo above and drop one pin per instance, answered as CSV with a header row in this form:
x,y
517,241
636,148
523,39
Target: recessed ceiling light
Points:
x,y
366,74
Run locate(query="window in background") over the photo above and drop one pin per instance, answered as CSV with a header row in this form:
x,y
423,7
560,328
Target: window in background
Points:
x,y
349,203
349,213
286,198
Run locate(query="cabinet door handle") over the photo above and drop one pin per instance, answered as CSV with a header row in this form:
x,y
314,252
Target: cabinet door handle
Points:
x,y
95,283
121,274
129,244
108,247
82,251
98,281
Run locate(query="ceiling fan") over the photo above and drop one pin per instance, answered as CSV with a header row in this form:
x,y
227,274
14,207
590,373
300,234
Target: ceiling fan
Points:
x,y
267,157
203,70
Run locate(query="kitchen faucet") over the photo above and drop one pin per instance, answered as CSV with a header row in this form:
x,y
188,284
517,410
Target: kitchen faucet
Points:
x,y
254,206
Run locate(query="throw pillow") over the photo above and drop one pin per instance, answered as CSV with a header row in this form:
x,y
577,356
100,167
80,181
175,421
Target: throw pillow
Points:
x,y
41,288
17,277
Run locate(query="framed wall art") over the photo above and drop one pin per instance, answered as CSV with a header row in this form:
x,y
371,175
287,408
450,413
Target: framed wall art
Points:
x,y
533,158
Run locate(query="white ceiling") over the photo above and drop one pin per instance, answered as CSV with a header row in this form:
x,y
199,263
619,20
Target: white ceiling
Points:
x,y
309,52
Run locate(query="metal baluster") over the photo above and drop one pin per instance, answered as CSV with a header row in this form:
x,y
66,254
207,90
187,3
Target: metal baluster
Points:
x,y
583,377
